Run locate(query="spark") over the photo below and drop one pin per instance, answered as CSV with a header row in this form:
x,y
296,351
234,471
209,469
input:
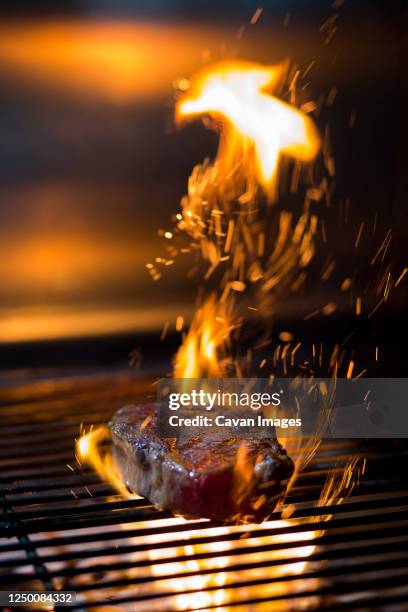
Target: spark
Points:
x,y
309,68
238,286
331,96
376,308
311,314
286,336
383,248
328,271
359,234
164,330
308,107
329,308
255,17
296,348
401,276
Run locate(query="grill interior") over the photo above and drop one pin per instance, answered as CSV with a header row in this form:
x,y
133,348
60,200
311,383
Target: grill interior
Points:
x,y
63,528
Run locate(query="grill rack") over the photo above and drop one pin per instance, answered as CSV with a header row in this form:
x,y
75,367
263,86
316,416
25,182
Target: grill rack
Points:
x,y
62,528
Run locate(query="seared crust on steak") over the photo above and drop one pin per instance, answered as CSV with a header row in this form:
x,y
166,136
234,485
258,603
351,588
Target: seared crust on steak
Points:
x,y
200,476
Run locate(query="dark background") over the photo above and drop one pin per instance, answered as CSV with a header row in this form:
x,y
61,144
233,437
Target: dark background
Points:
x,y
91,165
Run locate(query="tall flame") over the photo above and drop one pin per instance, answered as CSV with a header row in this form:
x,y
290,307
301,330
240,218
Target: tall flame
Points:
x,y
261,127
224,207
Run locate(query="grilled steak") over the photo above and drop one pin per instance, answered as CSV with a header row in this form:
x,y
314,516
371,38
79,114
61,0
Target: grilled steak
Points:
x,y
200,476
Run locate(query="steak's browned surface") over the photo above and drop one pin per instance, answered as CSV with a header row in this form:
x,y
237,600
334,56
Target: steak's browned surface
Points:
x,y
199,476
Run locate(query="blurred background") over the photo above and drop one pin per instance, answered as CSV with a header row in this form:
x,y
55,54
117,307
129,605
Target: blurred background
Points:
x,y
91,165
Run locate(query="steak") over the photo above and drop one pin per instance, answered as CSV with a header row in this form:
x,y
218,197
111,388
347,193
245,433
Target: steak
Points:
x,y
199,476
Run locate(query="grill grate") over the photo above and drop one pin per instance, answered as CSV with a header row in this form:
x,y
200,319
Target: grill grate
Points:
x,y
63,528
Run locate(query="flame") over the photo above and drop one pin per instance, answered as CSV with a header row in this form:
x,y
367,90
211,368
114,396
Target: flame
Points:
x,y
88,450
209,583
201,353
223,212
204,598
259,128
219,213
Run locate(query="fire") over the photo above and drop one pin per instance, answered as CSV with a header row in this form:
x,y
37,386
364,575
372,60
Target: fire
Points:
x,y
210,576
204,569
201,353
224,214
259,128
89,450
224,211
209,595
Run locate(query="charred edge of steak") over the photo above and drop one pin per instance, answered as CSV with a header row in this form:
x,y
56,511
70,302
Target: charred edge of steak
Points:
x,y
201,476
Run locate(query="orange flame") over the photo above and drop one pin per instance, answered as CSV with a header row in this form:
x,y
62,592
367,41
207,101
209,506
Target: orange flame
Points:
x,y
260,128
219,211
88,450
201,353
